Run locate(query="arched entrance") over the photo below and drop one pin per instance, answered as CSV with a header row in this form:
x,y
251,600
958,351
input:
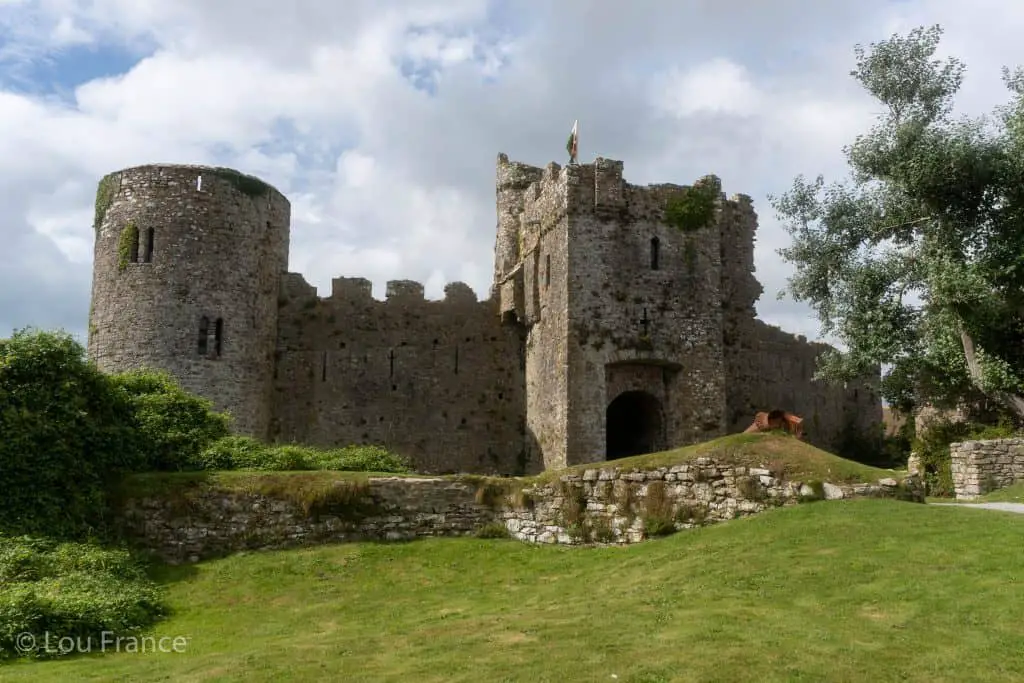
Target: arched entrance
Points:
x,y
633,424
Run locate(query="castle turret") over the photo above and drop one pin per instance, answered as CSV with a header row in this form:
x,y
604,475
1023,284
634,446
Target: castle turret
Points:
x,y
187,266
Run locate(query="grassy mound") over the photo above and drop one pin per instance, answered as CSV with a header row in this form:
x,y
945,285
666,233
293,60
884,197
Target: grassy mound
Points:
x,y
776,451
866,590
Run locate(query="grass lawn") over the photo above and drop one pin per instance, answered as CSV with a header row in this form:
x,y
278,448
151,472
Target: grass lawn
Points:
x,y
1010,494
866,590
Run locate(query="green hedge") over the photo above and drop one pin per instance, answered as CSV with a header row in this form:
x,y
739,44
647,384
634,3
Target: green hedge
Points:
x,y
66,434
53,590
243,453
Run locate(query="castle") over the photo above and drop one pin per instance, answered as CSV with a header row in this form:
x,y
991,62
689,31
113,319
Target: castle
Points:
x,y
609,330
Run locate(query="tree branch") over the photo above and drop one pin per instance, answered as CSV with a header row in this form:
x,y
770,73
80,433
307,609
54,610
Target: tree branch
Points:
x,y
1012,401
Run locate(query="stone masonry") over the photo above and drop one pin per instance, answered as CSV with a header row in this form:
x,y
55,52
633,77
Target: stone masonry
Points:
x,y
597,506
979,467
607,332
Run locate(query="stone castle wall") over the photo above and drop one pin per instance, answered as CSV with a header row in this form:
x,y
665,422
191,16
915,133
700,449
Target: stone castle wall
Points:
x,y
581,314
776,370
211,244
606,506
438,381
979,467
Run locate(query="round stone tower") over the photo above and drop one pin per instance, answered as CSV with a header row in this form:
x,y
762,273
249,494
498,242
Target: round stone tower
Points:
x,y
187,265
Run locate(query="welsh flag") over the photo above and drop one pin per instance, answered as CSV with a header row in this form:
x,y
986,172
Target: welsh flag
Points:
x,y
572,146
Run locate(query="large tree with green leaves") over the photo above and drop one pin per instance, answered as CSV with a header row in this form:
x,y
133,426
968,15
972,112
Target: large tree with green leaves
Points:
x,y
916,260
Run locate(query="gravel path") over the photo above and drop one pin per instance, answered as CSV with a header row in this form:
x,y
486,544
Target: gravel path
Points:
x,y
1005,507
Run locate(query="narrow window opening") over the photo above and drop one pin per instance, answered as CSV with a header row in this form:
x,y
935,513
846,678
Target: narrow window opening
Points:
x,y
133,251
199,183
323,367
655,255
148,258
391,362
547,270
218,336
204,335
456,360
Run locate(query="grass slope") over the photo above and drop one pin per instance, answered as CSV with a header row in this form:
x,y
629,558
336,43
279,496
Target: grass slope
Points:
x,y
801,460
866,590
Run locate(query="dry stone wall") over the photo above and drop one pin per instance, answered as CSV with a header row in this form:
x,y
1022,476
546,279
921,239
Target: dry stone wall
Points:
x,y
979,467
604,506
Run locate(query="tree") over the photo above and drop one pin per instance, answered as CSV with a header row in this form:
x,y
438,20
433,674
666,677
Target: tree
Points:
x,y
916,261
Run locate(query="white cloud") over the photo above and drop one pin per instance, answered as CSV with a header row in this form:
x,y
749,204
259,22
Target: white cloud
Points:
x,y
382,120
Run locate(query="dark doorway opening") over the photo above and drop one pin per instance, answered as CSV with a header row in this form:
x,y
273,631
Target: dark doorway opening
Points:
x,y
634,425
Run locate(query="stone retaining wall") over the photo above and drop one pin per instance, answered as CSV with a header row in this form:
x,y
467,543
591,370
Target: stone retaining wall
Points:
x,y
596,506
979,467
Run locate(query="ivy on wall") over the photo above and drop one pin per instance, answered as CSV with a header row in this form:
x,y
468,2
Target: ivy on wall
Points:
x,y
105,193
129,237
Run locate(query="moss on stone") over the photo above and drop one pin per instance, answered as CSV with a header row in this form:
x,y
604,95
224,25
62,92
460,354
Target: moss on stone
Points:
x,y
246,184
129,237
105,193
692,208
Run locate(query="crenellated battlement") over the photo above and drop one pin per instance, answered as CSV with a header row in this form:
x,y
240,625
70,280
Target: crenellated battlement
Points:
x,y
295,290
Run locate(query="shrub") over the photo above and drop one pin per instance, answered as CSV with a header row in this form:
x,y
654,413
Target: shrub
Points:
x,y
244,453
70,590
173,426
66,433
658,517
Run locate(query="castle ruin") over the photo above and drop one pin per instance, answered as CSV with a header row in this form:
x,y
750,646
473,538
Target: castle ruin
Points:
x,y
608,330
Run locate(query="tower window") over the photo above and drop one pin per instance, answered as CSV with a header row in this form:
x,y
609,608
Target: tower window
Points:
x,y
655,252
204,336
218,336
547,270
148,258
199,183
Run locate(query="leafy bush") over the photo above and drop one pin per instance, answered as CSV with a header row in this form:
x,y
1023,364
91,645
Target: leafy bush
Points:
x,y
244,453
77,590
173,426
66,433
932,446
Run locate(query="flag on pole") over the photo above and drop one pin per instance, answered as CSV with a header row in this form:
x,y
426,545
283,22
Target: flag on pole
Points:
x,y
572,147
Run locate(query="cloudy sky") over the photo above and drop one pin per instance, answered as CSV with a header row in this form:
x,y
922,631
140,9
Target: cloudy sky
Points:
x,y
382,120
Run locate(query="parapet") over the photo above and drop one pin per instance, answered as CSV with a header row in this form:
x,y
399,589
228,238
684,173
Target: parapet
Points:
x,y
513,175
459,292
404,290
598,187
294,286
358,288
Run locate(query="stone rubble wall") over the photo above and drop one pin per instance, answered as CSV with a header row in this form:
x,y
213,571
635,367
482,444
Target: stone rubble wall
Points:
x,y
606,506
979,467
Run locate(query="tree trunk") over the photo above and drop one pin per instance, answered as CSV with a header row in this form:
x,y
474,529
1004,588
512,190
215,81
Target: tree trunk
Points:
x,y
1012,401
